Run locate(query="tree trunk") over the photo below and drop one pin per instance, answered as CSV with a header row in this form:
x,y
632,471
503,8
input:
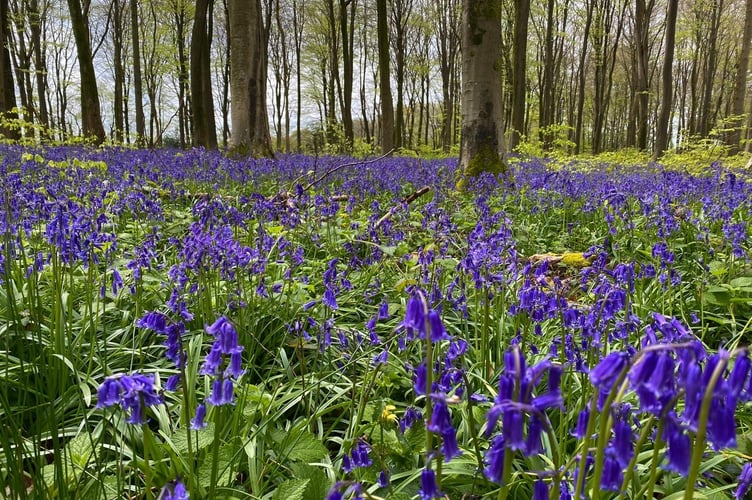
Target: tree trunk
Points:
x,y
519,71
661,131
740,83
248,51
7,90
643,13
203,122
710,66
91,116
118,29
39,62
138,92
482,141
448,48
346,32
581,78
385,89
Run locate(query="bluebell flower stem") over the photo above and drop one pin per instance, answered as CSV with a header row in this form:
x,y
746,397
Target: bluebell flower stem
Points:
x,y
215,452
702,424
604,430
647,427
586,446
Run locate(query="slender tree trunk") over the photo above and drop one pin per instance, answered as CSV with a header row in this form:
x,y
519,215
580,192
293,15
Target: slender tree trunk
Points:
x,y
519,71
581,78
667,92
710,68
346,32
91,116
385,89
643,13
202,101
119,70
40,67
482,142
740,83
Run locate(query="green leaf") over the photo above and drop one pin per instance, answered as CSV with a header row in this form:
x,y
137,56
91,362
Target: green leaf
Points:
x,y
224,469
302,447
199,439
292,489
318,485
80,449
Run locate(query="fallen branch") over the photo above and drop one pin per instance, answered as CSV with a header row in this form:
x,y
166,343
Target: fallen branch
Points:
x,y
404,202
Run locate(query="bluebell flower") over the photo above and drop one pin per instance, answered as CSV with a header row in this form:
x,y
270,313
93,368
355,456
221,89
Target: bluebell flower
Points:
x,y
421,380
744,482
604,375
540,490
359,457
383,479
412,415
679,451
429,489
495,459
172,383
438,332
580,430
198,422
131,392
612,474
174,491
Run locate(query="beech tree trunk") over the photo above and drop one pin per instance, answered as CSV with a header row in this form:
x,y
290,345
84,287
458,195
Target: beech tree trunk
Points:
x,y
138,92
482,140
385,89
519,71
740,83
202,101
661,130
91,115
248,51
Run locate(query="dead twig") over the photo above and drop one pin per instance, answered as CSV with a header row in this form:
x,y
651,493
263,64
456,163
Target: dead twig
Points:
x,y
404,202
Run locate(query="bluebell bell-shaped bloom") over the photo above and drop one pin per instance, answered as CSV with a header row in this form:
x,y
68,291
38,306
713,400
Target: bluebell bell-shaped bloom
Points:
x,y
429,489
421,380
174,491
198,421
172,383
412,415
679,451
494,459
744,482
622,442
580,430
438,331
132,392
540,490
613,475
605,374
383,479
330,299
359,457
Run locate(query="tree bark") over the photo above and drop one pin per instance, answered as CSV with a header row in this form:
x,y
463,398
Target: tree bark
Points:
x,y
385,89
519,72
482,140
138,92
248,66
91,115
202,101
740,83
643,13
661,131
581,78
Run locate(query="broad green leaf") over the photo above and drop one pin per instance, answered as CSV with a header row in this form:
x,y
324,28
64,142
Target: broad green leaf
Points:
x,y
292,489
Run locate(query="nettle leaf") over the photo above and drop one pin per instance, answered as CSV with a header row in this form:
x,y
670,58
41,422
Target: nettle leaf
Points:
x,y
318,482
80,449
224,469
292,489
300,446
199,439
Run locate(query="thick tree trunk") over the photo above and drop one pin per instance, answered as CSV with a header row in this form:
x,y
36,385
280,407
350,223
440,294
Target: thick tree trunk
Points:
x,y
661,131
740,83
91,115
482,141
7,90
643,13
385,89
519,72
250,123
202,101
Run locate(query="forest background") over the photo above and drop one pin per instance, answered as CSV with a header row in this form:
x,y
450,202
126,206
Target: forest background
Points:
x,y
578,76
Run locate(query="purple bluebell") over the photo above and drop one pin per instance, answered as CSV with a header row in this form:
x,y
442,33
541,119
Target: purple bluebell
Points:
x,y
198,422
540,490
174,491
604,375
613,475
744,482
494,459
679,451
132,392
359,457
429,489
438,331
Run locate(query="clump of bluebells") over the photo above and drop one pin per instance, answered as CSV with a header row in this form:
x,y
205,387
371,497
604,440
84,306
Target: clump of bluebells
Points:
x,y
433,349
